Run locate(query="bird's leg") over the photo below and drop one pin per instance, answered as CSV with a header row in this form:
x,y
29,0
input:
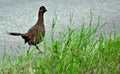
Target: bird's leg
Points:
x,y
28,49
39,51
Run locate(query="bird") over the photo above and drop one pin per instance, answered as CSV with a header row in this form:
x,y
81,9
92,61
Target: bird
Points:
x,y
36,33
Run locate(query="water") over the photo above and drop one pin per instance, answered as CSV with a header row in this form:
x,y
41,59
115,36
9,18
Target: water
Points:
x,y
20,15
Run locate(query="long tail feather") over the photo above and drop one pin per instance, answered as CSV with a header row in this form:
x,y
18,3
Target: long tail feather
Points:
x,y
15,34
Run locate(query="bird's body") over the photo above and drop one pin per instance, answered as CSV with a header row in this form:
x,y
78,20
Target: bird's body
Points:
x,y
36,33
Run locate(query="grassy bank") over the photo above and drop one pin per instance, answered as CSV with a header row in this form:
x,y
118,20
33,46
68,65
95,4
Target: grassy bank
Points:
x,y
77,51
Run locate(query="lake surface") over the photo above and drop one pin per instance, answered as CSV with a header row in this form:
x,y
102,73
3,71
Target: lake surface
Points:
x,y
20,15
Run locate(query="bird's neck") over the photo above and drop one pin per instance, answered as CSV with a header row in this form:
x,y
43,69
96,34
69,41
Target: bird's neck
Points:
x,y
40,19
40,14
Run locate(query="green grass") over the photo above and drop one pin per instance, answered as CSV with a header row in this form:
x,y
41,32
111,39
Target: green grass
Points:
x,y
77,51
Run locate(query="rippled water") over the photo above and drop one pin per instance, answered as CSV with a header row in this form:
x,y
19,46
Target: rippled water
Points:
x,y
20,15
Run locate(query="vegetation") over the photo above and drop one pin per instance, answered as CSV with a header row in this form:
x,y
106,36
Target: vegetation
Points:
x,y
77,51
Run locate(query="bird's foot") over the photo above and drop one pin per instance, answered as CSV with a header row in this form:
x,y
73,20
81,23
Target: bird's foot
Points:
x,y
28,52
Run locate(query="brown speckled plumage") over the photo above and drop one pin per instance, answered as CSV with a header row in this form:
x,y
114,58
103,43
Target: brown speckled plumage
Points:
x,y
35,33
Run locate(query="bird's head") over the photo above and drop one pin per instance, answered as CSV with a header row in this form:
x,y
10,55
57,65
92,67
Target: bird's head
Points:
x,y
42,9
